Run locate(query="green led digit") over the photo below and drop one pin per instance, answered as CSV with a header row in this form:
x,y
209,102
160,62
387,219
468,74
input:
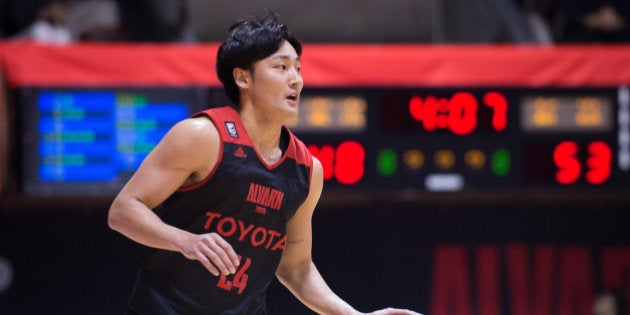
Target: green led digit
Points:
x,y
387,162
501,162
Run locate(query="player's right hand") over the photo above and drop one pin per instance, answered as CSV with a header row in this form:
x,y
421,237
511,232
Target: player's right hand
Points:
x,y
212,251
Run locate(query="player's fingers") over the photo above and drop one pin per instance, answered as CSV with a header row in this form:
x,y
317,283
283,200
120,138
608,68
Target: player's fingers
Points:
x,y
219,257
214,257
229,251
201,257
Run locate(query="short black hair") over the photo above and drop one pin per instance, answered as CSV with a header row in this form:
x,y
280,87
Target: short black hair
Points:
x,y
248,41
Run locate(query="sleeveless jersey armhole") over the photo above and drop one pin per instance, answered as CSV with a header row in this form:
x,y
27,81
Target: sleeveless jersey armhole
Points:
x,y
219,157
310,174
302,155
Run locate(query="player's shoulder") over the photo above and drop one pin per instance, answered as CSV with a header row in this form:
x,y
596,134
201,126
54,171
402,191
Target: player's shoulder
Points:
x,y
219,113
196,126
195,131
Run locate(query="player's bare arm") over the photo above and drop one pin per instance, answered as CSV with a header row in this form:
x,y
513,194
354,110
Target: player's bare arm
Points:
x,y
185,156
298,272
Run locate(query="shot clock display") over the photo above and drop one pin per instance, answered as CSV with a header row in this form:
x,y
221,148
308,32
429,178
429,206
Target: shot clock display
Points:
x,y
461,113
462,139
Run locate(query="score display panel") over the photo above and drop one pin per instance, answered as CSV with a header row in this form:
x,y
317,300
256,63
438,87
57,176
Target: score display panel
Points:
x,y
471,139
88,142
432,118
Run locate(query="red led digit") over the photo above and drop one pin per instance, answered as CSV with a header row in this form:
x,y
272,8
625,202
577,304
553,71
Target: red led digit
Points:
x,y
416,108
598,162
462,116
349,162
459,113
499,105
326,156
443,106
425,112
565,158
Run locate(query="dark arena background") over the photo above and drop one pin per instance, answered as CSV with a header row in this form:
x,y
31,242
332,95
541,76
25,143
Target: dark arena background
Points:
x,y
460,179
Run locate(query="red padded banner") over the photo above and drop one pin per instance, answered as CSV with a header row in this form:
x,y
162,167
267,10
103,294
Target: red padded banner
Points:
x,y
325,65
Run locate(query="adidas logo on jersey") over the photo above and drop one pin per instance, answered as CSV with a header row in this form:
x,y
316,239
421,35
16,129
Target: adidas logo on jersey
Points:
x,y
240,153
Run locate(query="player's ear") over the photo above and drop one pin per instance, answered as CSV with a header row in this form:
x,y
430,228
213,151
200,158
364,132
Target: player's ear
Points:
x,y
241,77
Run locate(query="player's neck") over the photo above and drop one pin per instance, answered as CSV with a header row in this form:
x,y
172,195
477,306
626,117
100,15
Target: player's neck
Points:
x,y
264,132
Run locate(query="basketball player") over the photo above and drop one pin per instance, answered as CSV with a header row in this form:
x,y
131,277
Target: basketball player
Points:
x,y
226,198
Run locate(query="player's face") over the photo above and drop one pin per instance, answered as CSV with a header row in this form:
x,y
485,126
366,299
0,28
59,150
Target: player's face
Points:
x,y
277,83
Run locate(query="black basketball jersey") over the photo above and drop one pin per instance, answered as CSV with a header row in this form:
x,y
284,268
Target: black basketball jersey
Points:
x,y
247,202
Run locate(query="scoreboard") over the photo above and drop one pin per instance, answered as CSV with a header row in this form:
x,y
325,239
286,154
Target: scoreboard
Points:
x,y
501,120
89,141
469,139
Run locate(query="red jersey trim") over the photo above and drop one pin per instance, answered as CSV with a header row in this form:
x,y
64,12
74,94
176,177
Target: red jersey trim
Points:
x,y
214,168
207,178
298,151
222,115
302,156
225,118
